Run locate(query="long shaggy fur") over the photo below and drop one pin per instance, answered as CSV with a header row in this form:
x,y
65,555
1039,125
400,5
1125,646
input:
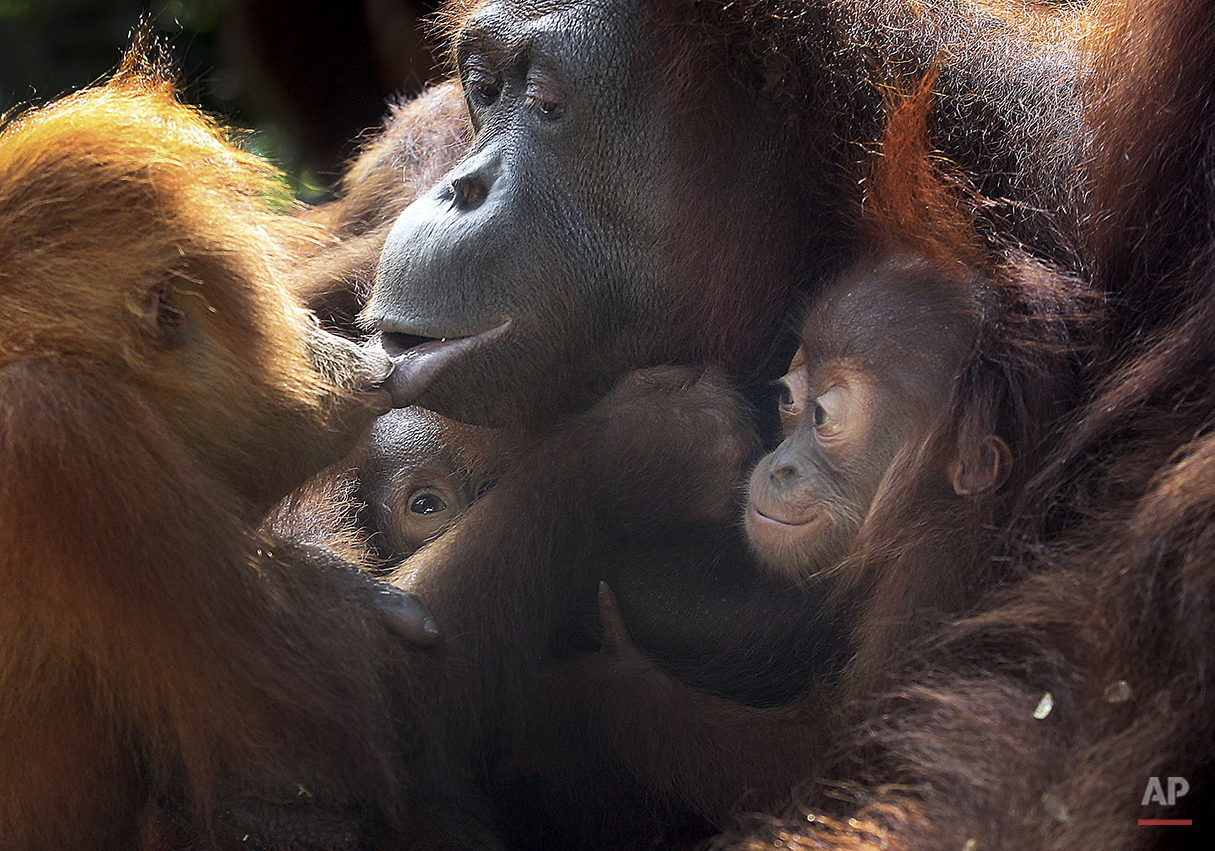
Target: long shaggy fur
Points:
x,y
160,390
1040,722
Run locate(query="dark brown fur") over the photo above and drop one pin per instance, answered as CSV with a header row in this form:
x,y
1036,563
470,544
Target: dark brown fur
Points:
x,y
1040,722
1004,117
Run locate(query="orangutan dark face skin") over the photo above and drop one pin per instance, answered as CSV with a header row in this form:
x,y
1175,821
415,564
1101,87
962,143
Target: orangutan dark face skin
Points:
x,y
637,193
881,350
541,228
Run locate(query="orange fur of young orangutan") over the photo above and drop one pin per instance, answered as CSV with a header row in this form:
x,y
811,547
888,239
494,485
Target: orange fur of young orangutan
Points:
x,y
160,390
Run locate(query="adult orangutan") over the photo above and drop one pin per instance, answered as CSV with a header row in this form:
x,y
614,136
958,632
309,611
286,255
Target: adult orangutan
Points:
x,y
613,492
653,182
591,230
659,182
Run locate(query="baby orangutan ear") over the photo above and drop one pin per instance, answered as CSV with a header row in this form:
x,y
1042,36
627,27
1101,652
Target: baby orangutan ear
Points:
x,y
981,468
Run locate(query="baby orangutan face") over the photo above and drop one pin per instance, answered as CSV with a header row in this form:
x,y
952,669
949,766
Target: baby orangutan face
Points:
x,y
881,350
422,472
809,497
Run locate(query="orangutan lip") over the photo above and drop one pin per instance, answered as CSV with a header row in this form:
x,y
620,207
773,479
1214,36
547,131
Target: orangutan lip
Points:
x,y
759,517
374,394
416,360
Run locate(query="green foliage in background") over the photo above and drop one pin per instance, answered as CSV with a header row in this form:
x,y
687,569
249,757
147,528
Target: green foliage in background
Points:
x,y
51,47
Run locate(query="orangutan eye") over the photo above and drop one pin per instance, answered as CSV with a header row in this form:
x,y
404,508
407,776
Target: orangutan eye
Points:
x,y
485,93
820,415
426,502
831,411
549,109
482,80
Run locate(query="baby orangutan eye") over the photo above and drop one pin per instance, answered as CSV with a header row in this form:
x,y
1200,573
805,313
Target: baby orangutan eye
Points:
x,y
426,502
820,415
831,411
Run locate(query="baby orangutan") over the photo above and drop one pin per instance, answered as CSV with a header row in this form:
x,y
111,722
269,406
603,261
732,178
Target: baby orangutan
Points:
x,y
419,474
887,492
866,402
928,380
890,428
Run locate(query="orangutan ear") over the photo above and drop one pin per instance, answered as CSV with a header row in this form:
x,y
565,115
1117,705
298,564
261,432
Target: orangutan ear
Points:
x,y
981,468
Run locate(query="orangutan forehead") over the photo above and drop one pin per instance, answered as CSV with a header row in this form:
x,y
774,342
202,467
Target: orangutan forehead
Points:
x,y
583,25
889,311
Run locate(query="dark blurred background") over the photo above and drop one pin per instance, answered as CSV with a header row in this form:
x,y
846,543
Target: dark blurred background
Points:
x,y
309,77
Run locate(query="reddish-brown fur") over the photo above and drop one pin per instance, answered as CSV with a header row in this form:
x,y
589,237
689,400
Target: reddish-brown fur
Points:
x,y
1041,722
160,390
1036,329
924,554
817,68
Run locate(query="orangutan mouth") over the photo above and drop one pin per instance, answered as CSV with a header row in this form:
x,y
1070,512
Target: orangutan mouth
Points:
x,y
416,360
761,517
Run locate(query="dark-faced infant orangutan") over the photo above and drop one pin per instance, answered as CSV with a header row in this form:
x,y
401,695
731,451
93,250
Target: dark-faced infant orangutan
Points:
x,y
888,494
418,475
